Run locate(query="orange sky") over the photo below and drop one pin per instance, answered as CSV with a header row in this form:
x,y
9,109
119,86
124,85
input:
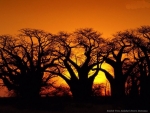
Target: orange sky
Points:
x,y
105,16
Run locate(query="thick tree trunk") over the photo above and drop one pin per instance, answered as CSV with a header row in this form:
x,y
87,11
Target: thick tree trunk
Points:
x,y
30,87
119,82
117,89
81,90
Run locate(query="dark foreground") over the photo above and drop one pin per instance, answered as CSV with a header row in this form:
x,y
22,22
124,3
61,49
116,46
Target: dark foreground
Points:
x,y
68,105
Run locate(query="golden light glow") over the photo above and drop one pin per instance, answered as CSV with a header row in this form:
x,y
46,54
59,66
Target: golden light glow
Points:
x,y
100,78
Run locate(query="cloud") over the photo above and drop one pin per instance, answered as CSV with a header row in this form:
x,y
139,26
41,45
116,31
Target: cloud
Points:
x,y
138,4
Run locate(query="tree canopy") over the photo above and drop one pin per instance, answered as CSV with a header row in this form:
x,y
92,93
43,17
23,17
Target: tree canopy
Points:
x,y
29,60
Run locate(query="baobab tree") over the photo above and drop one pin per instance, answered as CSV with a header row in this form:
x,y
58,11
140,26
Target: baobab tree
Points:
x,y
78,54
141,49
119,57
24,60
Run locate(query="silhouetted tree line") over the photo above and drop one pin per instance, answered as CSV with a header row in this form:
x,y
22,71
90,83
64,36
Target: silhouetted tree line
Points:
x,y
29,60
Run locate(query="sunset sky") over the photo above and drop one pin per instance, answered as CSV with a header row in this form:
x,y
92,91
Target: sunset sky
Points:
x,y
105,16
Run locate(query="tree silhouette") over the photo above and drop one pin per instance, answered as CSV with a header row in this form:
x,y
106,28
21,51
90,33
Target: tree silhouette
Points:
x,y
129,57
132,83
29,60
118,50
141,41
24,61
79,53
